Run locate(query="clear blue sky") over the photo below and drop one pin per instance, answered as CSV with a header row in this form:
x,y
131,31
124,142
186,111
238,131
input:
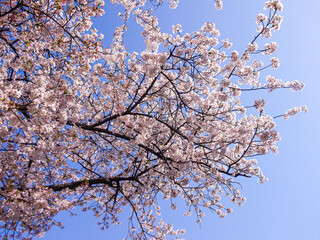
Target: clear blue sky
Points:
x,y
288,206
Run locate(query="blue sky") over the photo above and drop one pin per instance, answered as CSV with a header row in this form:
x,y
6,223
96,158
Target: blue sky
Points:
x,y
288,206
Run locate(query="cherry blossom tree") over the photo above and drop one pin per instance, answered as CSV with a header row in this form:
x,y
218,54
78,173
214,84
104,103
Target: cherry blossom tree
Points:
x,y
99,127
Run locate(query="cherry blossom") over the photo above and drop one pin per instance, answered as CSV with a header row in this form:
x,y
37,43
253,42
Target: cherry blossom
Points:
x,y
95,126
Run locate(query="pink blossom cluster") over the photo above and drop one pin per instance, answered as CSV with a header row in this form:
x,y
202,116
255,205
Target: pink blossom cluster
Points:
x,y
295,85
270,48
259,104
294,111
273,22
219,4
226,43
275,5
275,62
260,18
176,28
273,83
251,48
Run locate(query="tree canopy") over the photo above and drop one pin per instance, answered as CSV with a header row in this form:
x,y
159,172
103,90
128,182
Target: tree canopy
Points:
x,y
83,124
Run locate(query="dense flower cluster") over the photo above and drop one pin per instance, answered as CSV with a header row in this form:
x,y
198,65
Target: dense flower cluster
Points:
x,y
88,125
